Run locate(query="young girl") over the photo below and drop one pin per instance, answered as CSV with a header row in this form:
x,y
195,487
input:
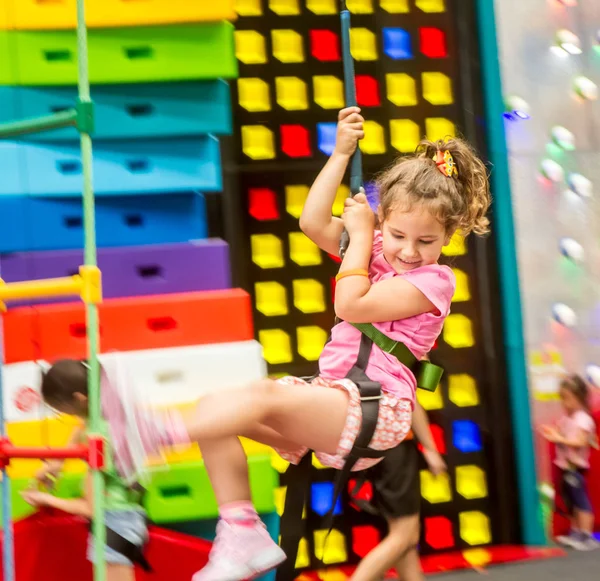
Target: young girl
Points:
x,y
389,277
574,434
64,387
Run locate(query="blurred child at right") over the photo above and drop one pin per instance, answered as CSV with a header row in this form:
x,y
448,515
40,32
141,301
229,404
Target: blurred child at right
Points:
x,y
574,434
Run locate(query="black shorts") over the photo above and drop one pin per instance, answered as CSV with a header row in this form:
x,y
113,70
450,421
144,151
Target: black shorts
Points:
x,y
395,480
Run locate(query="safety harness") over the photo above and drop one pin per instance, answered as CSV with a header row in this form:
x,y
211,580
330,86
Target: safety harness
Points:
x,y
427,376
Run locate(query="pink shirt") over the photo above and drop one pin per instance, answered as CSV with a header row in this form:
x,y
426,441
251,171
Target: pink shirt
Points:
x,y
569,427
418,333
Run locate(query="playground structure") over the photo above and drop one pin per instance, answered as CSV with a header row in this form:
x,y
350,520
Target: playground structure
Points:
x,y
163,115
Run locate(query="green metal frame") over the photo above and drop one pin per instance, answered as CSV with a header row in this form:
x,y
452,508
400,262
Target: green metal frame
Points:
x,y
80,116
529,501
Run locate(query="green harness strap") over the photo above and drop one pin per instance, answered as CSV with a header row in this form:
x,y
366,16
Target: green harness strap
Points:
x,y
427,374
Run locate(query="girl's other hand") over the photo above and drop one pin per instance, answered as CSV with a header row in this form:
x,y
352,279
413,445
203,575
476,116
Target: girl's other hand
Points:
x,y
358,216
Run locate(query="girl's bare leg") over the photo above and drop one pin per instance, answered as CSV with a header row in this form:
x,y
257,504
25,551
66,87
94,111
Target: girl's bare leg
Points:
x,y
392,551
120,573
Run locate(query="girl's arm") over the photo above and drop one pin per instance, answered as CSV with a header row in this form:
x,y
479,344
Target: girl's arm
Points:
x,y
316,220
52,468
420,426
77,506
552,434
356,299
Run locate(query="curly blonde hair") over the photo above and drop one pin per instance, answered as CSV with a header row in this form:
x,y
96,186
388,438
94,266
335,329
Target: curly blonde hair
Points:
x,y
459,203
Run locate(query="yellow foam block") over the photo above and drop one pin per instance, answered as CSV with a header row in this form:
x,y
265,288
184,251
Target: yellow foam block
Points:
x,y
462,292
374,141
430,400
309,295
303,251
291,94
51,433
295,196
271,298
328,91
437,88
363,44
277,347
285,7
311,341
287,46
475,528
258,142
458,331
401,89
435,489
462,390
250,47
404,135
322,7
267,250
36,15
395,6
249,7
360,6
431,5
457,246
343,192
335,549
253,95
439,128
471,482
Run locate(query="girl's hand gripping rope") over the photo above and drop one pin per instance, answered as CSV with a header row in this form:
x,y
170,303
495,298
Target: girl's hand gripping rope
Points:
x,y
358,217
350,130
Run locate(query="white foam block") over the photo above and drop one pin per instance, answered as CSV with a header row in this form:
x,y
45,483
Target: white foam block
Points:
x,y
173,376
181,375
22,396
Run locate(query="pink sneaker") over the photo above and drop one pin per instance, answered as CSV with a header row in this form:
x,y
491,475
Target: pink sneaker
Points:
x,y
241,553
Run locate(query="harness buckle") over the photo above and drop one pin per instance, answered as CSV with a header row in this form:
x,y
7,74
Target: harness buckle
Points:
x,y
371,397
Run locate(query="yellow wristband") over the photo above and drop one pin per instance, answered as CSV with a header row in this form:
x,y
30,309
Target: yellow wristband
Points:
x,y
353,272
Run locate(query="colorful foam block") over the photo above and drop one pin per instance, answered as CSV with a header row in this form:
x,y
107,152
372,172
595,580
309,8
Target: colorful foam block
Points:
x,y
128,111
128,324
40,542
120,55
132,271
33,14
28,224
182,375
183,492
120,167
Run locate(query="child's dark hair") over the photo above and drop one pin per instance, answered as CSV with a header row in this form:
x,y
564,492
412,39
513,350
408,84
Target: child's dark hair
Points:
x,y
578,387
458,202
63,380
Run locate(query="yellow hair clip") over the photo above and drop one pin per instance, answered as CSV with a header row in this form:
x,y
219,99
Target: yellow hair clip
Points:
x,y
445,163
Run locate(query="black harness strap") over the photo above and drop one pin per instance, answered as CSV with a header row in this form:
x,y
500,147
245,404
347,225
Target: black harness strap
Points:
x,y
299,476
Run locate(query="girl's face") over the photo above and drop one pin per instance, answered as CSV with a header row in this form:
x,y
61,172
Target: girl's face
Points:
x,y
78,406
569,401
412,239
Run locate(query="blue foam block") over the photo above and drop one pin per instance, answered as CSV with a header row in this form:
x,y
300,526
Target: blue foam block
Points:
x,y
322,498
120,167
28,224
326,136
466,436
128,111
397,43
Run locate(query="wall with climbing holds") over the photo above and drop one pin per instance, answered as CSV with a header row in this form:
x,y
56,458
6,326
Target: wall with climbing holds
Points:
x,y
550,61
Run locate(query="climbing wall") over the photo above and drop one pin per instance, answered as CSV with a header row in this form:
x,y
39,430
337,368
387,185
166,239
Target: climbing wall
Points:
x,y
550,57
285,108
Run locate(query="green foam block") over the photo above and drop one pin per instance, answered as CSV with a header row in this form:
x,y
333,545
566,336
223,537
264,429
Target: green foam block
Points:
x,y
183,492
120,55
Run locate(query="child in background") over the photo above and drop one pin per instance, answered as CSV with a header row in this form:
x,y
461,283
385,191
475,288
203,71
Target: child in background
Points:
x,y
574,434
397,498
124,517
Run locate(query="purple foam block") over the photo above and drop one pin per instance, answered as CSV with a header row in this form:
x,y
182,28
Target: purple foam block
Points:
x,y
133,270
